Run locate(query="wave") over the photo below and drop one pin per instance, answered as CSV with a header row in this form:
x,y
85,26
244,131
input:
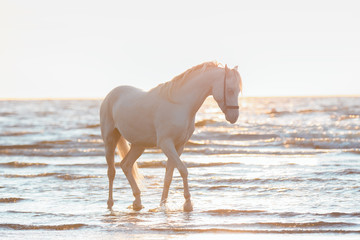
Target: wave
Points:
x,y
75,177
36,213
162,164
59,152
43,227
236,212
247,144
323,143
275,113
301,225
30,175
221,187
57,175
204,122
228,212
16,134
62,143
249,137
56,142
306,111
349,116
206,149
219,135
226,181
253,151
6,114
211,164
56,148
349,172
44,113
238,150
89,165
355,151
285,231
16,164
23,146
10,200
341,214
154,164
92,126
193,143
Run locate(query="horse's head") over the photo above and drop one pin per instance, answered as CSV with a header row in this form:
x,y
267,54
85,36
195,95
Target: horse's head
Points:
x,y
226,92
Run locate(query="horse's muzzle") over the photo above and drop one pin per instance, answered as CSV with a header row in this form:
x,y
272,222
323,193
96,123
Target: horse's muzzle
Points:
x,y
232,115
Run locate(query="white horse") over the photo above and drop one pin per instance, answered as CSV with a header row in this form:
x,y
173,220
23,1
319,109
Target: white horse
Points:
x,y
163,117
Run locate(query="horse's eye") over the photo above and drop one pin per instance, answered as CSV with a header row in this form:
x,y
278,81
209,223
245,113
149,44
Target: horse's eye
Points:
x,y
231,92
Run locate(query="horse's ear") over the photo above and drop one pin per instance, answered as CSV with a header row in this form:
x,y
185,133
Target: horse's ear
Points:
x,y
226,68
236,68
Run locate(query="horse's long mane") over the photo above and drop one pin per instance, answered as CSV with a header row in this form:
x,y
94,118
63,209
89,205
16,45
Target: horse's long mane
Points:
x,y
167,88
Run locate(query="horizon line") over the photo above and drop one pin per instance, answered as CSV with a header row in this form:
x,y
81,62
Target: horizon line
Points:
x,y
100,98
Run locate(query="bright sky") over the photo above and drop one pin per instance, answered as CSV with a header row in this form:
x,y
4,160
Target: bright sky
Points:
x,y
83,48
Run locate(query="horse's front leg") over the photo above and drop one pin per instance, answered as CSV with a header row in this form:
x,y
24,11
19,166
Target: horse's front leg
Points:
x,y
167,180
170,165
127,165
168,147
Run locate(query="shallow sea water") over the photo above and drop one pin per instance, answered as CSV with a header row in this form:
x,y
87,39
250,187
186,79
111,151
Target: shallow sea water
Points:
x,y
288,169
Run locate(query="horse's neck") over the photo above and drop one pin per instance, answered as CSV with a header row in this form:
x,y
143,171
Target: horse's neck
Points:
x,y
196,90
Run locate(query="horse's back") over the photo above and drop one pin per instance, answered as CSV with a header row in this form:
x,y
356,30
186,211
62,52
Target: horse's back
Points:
x,y
145,117
121,92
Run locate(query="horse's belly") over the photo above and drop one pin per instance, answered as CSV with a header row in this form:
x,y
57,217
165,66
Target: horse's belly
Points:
x,y
139,134
145,141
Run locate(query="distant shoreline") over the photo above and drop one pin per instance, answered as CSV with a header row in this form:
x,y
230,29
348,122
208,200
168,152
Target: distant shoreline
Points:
x,y
95,98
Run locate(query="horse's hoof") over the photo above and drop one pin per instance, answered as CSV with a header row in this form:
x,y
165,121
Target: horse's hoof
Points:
x,y
188,207
110,204
137,206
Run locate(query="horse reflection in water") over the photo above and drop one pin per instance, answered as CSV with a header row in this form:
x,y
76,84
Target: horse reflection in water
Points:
x,y
163,117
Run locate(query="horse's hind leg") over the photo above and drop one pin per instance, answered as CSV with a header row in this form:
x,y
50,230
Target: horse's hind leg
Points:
x,y
127,165
110,145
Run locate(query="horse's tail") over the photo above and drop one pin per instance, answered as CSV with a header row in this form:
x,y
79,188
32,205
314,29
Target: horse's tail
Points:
x,y
123,148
